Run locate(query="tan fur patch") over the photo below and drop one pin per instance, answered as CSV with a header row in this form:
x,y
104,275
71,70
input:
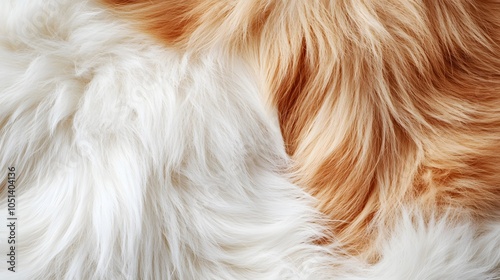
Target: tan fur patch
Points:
x,y
381,103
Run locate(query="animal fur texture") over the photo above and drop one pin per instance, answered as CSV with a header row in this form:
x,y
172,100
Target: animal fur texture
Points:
x,y
151,139
381,103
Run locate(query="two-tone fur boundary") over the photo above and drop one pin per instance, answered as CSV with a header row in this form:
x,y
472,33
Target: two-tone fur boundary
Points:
x,y
137,161
381,103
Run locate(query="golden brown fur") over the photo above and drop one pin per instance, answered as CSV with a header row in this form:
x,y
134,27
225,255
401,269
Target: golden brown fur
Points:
x,y
382,103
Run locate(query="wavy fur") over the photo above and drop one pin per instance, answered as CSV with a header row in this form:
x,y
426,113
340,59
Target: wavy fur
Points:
x,y
381,103
138,161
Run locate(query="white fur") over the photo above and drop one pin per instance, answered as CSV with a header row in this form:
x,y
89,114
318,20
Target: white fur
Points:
x,y
439,249
136,162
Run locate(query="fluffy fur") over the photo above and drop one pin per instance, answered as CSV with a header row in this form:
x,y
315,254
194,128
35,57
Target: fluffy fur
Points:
x,y
381,103
137,161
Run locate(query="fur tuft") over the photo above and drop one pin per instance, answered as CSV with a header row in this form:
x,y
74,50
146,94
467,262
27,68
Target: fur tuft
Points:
x,y
380,103
140,161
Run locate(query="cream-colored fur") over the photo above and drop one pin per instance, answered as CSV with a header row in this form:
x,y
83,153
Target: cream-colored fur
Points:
x,y
381,103
136,162
154,158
